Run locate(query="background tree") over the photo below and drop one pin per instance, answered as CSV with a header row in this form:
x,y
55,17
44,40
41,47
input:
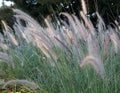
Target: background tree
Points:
x,y
108,9
6,14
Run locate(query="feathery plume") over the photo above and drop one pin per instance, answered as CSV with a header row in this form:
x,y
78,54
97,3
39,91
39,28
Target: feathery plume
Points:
x,y
22,82
76,47
72,36
94,57
84,9
106,42
93,47
19,33
101,24
95,63
9,35
12,39
5,25
67,38
64,45
114,40
33,33
116,22
81,28
88,23
51,33
6,58
71,21
3,45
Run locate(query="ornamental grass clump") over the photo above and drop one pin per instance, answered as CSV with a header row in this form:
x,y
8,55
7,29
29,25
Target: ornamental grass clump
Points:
x,y
70,57
73,35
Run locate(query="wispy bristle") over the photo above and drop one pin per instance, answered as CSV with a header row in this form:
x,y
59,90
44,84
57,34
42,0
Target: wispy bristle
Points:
x,y
114,40
116,22
101,24
81,28
4,25
51,33
6,58
95,63
10,37
71,21
22,82
106,44
64,45
93,47
72,36
3,45
33,33
84,9
88,23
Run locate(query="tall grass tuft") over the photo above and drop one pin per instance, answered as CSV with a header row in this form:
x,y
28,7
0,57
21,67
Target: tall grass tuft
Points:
x,y
61,57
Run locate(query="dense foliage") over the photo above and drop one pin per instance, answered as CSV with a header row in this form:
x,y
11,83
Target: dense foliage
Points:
x,y
108,9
